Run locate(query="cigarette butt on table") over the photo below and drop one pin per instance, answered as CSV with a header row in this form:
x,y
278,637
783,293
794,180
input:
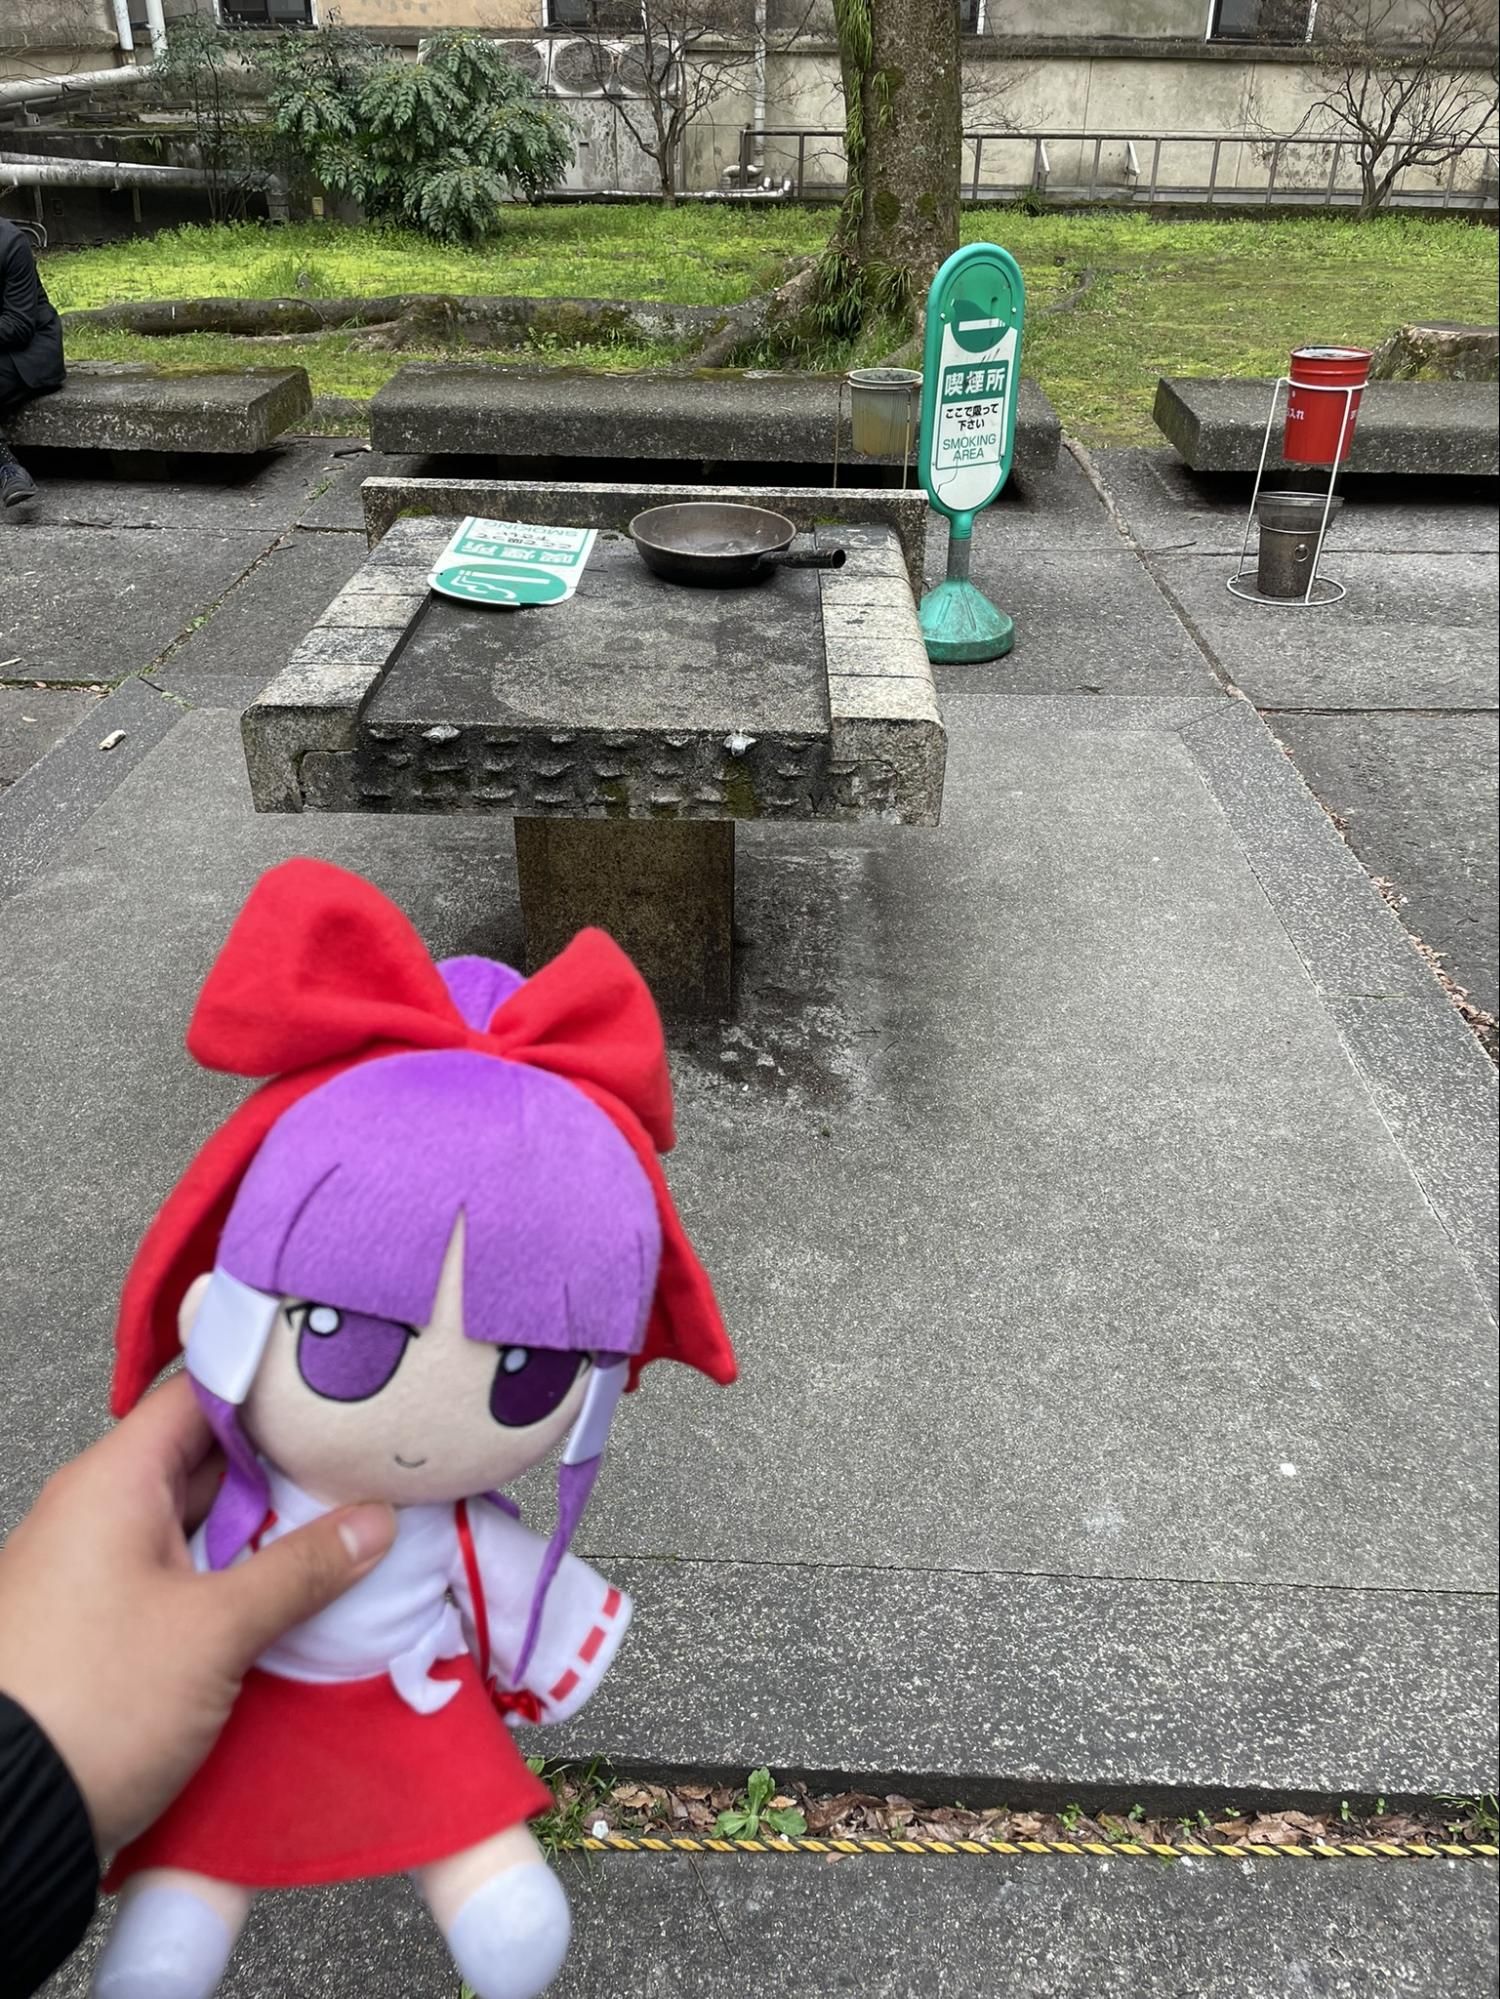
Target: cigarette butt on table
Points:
x,y
114,737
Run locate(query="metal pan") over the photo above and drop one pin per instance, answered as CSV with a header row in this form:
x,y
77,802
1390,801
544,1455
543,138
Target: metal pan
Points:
x,y
717,546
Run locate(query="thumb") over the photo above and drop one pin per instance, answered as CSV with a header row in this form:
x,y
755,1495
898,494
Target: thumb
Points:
x,y
302,1573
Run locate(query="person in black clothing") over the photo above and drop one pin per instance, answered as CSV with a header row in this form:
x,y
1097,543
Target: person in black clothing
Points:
x,y
119,1662
31,349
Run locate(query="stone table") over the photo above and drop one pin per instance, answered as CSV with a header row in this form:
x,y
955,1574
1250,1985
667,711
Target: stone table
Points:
x,y
625,730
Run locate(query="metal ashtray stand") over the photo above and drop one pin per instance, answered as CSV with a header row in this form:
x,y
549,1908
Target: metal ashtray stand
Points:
x,y
1320,589
913,424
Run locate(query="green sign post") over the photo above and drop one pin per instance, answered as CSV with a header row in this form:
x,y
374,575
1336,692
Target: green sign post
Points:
x,y
971,376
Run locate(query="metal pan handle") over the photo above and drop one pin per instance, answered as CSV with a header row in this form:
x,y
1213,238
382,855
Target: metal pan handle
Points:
x,y
811,558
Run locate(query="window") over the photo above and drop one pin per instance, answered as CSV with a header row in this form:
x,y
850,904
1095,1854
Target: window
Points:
x,y
614,16
267,13
1260,21
971,17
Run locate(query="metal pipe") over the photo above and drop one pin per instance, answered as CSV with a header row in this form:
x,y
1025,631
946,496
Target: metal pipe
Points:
x,y
37,89
38,170
156,21
759,113
122,26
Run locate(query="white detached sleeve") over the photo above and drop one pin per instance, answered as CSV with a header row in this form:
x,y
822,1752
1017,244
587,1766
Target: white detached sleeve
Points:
x,y
582,1624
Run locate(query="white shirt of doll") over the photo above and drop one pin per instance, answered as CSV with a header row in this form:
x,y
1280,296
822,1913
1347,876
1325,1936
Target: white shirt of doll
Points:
x,y
414,1609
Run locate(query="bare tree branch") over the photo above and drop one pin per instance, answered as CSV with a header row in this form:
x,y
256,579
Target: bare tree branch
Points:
x,y
1403,86
663,64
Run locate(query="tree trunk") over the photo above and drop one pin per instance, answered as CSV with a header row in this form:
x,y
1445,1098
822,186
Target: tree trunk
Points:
x,y
903,98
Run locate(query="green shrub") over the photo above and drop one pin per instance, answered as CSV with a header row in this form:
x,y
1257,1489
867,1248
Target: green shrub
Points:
x,y
441,144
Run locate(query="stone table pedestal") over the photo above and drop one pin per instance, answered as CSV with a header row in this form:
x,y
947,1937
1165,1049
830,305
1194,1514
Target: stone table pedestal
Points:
x,y
663,890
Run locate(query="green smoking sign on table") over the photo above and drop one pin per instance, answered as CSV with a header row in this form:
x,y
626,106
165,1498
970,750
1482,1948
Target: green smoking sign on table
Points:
x,y
971,376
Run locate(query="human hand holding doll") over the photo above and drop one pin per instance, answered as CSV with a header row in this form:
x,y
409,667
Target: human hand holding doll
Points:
x,y
436,1246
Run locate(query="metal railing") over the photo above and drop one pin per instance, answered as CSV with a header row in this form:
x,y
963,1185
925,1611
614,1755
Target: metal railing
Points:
x,y
1241,169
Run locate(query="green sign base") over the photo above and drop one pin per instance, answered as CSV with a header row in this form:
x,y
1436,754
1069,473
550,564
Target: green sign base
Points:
x,y
960,623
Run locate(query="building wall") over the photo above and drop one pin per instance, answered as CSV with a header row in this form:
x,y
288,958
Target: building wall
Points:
x,y
55,37
1127,69
495,16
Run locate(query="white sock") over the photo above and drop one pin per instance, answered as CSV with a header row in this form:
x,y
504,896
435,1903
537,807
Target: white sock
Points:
x,y
164,1944
511,1936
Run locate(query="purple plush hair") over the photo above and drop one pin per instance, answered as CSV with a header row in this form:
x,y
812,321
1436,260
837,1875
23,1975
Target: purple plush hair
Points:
x,y
352,1200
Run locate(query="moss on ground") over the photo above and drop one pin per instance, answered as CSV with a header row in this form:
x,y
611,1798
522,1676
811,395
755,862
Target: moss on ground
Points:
x,y
1168,297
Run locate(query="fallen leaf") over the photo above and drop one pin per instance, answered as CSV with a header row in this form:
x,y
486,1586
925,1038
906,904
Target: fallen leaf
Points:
x,y
823,1814
1232,1828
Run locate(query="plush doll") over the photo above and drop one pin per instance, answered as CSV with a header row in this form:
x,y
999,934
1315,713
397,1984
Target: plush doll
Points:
x,y
436,1245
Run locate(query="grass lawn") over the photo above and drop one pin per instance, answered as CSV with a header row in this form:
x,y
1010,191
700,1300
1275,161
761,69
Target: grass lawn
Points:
x,y
1169,297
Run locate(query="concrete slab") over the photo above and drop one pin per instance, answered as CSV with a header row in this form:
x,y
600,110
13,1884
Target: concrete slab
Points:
x,y
1119,1006
712,1927
94,604
51,800
1053,508
79,489
138,406
999,1687
1419,801
339,503
1417,633
32,719
730,418
259,624
1448,428
1088,620
1169,507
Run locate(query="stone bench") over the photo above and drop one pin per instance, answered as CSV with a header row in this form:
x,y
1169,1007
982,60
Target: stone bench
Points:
x,y
625,731
1406,429
724,420
129,406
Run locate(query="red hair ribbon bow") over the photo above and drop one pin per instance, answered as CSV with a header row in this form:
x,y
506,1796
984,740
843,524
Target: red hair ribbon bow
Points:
x,y
321,971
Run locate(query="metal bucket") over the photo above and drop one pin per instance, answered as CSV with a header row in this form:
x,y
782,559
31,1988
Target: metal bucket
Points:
x,y
1323,396
883,410
1289,528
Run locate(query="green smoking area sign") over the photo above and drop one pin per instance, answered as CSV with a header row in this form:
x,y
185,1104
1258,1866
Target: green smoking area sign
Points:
x,y
971,377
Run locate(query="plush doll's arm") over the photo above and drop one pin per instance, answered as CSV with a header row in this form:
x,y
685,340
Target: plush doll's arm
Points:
x,y
582,1625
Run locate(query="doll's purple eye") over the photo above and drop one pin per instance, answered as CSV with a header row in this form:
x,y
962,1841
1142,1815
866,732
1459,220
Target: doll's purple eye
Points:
x,y
346,1356
530,1382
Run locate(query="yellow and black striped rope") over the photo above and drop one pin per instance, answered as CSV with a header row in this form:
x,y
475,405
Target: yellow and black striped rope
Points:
x,y
1371,1849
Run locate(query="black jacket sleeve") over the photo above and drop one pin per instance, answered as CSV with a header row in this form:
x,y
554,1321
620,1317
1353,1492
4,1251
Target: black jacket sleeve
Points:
x,y
49,1872
23,303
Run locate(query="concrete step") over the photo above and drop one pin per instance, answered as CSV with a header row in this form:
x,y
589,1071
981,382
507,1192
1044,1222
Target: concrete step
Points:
x,y
130,406
1405,429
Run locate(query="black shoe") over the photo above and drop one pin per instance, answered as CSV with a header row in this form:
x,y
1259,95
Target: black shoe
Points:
x,y
16,483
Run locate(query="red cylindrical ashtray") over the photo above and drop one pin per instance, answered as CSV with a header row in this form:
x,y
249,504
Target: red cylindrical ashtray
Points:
x,y
1319,416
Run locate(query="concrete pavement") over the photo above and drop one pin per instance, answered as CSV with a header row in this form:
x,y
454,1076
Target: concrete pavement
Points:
x,y
1100,1189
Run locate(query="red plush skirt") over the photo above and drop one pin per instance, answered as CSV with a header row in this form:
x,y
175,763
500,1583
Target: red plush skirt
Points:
x,y
324,1783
